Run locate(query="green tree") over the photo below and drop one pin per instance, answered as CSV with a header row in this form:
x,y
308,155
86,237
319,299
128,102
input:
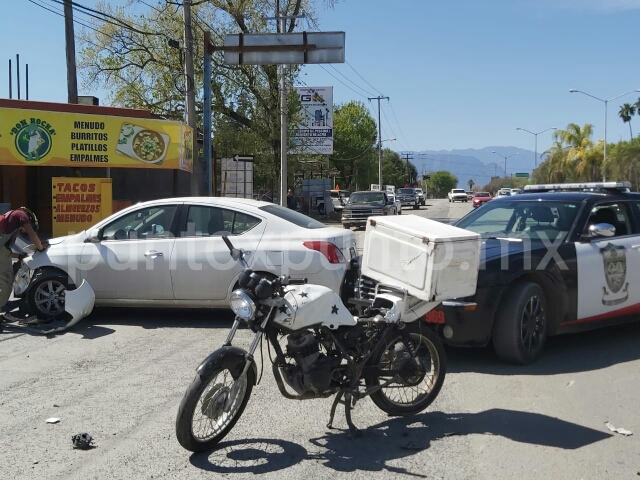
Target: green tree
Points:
x,y
626,113
138,69
395,170
441,182
354,136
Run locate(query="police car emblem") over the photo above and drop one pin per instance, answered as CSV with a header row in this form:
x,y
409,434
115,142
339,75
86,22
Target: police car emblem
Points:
x,y
614,258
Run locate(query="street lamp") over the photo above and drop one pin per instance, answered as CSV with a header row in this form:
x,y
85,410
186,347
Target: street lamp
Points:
x,y
536,135
606,102
505,160
380,160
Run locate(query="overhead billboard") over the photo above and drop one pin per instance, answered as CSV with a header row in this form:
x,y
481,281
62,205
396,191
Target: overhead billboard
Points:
x,y
314,135
56,139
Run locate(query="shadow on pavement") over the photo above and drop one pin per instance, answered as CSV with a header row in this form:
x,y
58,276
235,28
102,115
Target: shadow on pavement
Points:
x,y
394,439
402,437
160,318
578,352
255,456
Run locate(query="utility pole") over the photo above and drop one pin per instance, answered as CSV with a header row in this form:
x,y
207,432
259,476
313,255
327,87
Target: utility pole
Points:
x,y
190,93
282,21
70,46
379,139
408,157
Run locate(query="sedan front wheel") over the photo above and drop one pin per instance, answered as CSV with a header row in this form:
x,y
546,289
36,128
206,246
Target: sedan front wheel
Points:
x,y
46,294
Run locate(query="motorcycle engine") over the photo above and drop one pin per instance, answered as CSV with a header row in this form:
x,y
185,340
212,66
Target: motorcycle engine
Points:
x,y
312,369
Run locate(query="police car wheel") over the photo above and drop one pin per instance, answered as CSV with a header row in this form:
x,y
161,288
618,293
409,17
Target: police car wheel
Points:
x,y
521,324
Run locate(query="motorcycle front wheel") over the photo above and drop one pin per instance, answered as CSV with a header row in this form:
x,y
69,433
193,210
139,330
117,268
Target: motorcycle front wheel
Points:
x,y
418,381
210,408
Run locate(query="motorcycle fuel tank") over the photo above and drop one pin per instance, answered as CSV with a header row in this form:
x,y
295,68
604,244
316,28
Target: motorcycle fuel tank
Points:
x,y
313,305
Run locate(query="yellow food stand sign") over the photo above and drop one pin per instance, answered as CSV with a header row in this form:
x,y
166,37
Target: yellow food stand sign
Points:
x,y
55,139
79,203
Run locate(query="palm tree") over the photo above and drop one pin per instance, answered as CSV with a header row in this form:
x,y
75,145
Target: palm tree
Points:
x,y
627,111
471,183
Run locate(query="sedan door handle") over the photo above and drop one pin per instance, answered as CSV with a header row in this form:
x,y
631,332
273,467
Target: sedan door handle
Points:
x,y
153,254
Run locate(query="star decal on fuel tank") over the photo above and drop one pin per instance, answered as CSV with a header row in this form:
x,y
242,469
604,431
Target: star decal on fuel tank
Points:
x,y
334,310
304,295
283,309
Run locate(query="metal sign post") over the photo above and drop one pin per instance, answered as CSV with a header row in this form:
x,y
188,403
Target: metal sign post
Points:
x,y
280,49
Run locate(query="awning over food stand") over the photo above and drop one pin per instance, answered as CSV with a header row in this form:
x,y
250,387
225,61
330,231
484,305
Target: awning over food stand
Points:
x,y
40,137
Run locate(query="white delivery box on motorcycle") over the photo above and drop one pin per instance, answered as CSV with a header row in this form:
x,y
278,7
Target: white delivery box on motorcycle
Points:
x,y
432,261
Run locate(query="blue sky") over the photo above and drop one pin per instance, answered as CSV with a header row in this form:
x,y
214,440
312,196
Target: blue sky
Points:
x,y
460,73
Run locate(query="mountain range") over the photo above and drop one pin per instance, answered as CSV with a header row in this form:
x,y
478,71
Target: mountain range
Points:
x,y
474,164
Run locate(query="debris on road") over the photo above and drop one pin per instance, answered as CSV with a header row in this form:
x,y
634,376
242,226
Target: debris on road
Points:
x,y
53,420
621,431
571,383
411,446
82,441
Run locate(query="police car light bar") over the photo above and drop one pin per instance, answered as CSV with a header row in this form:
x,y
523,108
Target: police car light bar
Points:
x,y
622,186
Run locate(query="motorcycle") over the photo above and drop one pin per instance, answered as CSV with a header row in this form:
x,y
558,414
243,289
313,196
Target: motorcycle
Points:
x,y
384,354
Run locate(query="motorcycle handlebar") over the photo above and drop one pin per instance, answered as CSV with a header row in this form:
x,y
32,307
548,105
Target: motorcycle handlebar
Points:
x,y
227,242
294,281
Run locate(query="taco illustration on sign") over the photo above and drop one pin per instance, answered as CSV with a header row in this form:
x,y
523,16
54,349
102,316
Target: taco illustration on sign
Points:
x,y
614,259
142,144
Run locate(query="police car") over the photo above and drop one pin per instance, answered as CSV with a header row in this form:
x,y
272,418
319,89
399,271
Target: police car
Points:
x,y
556,259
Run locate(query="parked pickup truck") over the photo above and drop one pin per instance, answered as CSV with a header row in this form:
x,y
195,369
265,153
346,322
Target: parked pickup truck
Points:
x,y
458,194
362,205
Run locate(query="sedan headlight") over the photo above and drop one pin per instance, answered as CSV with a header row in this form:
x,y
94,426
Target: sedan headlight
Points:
x,y
242,305
22,280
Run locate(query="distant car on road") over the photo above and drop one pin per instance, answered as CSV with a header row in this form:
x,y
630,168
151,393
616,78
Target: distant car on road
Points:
x,y
423,197
504,192
362,205
457,195
516,191
480,198
409,197
396,202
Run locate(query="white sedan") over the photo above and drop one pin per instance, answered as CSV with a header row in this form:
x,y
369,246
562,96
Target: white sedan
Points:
x,y
170,253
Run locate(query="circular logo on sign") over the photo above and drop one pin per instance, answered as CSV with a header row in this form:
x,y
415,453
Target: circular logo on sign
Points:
x,y
33,142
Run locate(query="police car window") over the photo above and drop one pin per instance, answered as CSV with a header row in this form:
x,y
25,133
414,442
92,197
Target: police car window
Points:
x,y
616,214
521,219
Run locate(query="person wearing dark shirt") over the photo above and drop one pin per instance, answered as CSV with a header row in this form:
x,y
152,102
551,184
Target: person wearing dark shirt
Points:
x,y
291,201
13,223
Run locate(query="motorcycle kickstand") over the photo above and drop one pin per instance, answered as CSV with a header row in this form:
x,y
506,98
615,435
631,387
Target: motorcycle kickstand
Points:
x,y
333,409
353,430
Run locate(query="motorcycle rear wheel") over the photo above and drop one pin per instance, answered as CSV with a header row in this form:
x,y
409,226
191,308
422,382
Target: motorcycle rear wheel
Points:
x,y
396,398
210,401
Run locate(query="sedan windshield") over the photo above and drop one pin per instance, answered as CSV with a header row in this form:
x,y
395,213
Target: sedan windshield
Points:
x,y
533,219
482,194
372,198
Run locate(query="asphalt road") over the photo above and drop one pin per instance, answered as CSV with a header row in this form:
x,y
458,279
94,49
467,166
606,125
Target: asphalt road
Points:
x,y
120,375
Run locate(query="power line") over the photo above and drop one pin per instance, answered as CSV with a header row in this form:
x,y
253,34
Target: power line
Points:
x,y
60,14
398,123
357,93
365,81
349,80
119,22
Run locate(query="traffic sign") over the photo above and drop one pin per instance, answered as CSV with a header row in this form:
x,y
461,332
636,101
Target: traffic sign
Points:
x,y
522,175
243,158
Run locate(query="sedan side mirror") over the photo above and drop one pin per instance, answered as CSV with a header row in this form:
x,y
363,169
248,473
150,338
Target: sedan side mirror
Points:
x,y
94,236
601,230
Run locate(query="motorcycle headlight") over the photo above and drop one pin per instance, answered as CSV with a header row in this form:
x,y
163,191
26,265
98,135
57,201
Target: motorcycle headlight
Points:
x,y
242,305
